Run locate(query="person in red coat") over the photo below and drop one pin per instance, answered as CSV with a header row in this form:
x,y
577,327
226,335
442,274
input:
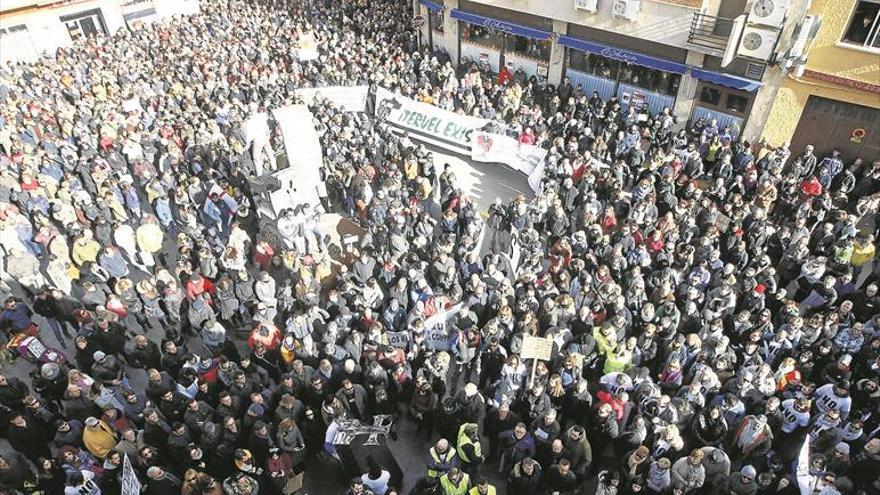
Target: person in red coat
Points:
x,y
504,76
198,285
810,188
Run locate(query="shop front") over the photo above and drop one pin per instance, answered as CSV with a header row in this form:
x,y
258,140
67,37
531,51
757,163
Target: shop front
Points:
x,y
650,83
494,43
725,98
435,19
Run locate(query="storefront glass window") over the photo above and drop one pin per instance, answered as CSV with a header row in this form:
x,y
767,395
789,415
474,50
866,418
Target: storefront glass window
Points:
x,y
710,96
595,65
654,80
437,21
736,103
529,47
636,75
481,35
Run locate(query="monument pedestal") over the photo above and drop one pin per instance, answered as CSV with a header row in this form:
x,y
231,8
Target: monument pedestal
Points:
x,y
356,442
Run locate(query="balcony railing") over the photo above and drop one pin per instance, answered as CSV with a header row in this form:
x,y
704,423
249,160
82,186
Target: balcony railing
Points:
x,y
709,34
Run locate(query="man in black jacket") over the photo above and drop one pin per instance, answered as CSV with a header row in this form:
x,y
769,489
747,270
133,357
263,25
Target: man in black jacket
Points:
x,y
12,392
145,354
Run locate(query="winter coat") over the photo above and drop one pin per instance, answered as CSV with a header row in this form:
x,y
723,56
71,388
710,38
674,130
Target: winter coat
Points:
x,y
686,476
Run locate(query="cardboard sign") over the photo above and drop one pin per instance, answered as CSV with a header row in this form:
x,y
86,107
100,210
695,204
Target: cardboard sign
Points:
x,y
537,348
436,332
398,339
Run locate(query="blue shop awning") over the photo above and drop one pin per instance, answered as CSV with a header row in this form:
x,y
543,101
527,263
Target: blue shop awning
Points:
x,y
623,55
498,25
726,80
432,6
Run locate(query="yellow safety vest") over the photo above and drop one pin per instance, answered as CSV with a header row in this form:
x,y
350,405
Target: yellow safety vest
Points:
x,y
476,491
450,489
434,455
464,439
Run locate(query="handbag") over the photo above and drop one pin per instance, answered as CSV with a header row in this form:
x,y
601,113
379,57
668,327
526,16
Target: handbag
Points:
x,y
293,484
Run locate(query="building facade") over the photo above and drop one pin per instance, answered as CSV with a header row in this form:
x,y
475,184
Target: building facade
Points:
x,y
835,102
30,28
651,53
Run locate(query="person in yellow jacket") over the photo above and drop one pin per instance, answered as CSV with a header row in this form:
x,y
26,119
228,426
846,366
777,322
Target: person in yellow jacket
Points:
x,y
620,358
98,438
469,449
455,482
862,258
482,488
441,458
85,248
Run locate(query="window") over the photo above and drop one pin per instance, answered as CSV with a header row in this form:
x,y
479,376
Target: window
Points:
x,y
527,46
724,100
864,27
653,80
17,44
736,103
710,96
482,35
436,20
595,65
88,23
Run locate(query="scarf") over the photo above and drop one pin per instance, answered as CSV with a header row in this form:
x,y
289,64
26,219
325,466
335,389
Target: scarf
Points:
x,y
750,433
658,479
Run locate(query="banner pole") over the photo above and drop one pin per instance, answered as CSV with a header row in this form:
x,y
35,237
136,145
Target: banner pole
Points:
x,y
534,369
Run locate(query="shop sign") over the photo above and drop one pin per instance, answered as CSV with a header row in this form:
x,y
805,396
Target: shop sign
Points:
x,y
858,135
618,54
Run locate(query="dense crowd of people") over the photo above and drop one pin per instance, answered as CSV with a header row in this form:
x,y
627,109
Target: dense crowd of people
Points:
x,y
712,303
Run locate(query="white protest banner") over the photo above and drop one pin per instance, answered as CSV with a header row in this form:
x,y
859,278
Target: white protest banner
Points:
x,y
498,148
300,182
308,47
536,177
398,339
130,483
436,333
256,135
426,122
349,98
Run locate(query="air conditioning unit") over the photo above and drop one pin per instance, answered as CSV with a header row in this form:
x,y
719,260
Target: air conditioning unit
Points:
x,y
591,6
627,9
768,12
757,43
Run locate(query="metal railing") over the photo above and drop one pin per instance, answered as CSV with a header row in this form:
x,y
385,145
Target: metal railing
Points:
x,y
708,34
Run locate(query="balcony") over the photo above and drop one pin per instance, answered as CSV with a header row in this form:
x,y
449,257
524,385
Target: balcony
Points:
x,y
709,34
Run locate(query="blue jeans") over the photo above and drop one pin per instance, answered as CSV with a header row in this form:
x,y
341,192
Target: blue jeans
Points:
x,y
57,329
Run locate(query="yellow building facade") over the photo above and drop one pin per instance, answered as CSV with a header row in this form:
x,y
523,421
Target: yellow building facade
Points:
x,y
836,102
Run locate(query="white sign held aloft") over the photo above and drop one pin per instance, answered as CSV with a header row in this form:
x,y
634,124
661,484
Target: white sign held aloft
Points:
x,y
537,348
398,339
130,483
349,98
498,148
